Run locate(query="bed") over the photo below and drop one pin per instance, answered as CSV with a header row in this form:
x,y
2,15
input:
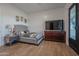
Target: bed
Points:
x,y
26,36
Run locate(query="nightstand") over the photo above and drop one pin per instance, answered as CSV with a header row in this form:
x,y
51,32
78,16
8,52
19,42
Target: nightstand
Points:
x,y
10,38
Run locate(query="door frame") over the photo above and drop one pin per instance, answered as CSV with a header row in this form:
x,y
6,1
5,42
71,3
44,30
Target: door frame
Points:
x,y
71,43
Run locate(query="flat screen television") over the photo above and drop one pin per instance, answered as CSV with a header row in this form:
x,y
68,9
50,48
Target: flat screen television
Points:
x,y
54,25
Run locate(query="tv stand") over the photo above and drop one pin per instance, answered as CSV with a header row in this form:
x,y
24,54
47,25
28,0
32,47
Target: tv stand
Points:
x,y
59,36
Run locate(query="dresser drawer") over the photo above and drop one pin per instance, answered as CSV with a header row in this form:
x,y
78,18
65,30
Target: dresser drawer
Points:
x,y
55,35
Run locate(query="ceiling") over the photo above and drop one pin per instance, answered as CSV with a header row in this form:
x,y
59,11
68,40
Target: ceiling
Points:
x,y
36,7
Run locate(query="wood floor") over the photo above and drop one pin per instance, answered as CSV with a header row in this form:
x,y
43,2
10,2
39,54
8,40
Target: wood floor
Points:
x,y
46,48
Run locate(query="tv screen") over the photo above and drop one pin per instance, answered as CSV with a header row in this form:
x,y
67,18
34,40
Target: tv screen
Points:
x,y
54,25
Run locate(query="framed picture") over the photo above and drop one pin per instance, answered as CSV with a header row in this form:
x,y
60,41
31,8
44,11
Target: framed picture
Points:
x,y
17,18
21,18
25,20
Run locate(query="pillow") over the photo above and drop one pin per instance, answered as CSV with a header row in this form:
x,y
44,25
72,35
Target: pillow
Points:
x,y
26,35
33,35
26,32
22,33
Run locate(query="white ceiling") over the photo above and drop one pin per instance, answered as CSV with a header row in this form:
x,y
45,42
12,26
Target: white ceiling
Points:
x,y
36,7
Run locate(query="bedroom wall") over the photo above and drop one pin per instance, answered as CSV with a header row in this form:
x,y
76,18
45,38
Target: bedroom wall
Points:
x,y
37,20
8,15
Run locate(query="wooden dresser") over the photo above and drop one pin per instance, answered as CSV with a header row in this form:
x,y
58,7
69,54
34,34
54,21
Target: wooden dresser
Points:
x,y
59,36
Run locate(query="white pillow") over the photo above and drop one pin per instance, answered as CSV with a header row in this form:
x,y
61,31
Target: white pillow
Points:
x,y
33,35
22,33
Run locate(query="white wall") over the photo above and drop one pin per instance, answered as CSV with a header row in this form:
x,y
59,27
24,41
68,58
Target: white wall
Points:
x,y
8,15
37,20
67,22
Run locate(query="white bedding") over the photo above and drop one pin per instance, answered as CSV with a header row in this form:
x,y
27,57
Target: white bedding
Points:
x,y
35,40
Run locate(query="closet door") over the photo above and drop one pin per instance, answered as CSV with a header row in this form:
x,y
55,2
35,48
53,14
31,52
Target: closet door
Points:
x,y
73,26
